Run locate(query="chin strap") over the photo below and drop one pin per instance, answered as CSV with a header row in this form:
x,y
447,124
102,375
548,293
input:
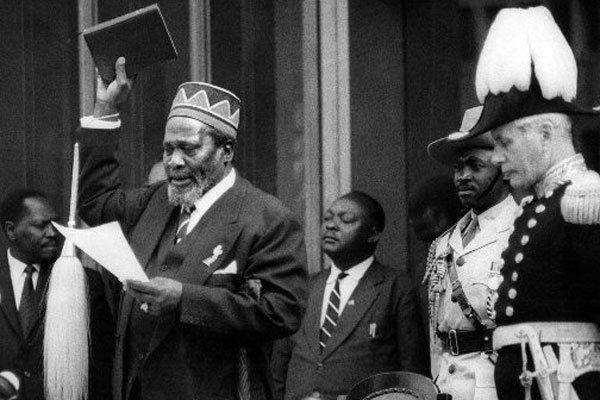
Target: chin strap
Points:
x,y
491,185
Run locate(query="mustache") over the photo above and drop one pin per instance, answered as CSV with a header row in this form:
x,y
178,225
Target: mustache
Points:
x,y
465,186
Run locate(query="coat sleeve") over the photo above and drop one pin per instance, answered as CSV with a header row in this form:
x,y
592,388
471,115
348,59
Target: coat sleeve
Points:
x,y
101,197
412,348
280,359
276,259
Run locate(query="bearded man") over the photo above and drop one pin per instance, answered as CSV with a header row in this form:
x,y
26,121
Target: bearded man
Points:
x,y
226,261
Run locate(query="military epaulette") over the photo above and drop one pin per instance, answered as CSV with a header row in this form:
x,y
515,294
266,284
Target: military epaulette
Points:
x,y
430,266
581,202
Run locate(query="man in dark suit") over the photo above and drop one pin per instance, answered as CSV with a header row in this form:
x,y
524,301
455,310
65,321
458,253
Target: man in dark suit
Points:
x,y
25,216
226,261
362,317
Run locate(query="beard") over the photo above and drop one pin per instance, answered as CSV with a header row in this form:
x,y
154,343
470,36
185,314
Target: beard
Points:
x,y
204,180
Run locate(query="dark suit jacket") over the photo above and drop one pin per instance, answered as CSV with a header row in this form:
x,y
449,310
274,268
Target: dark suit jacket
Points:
x,y
385,301
192,352
24,355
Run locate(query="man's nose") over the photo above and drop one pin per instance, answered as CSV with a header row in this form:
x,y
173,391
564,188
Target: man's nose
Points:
x,y
463,175
330,224
51,231
175,159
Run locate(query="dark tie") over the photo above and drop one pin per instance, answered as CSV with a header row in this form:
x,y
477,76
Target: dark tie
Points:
x,y
29,303
470,230
184,220
332,314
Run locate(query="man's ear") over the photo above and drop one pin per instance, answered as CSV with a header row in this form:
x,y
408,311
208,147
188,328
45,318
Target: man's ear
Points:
x,y
9,230
228,151
546,129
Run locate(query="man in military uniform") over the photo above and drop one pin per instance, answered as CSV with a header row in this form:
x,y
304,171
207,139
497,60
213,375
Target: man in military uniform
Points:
x,y
548,305
462,266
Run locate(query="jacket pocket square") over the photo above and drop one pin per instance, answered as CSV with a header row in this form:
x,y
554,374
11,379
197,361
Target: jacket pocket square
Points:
x,y
230,269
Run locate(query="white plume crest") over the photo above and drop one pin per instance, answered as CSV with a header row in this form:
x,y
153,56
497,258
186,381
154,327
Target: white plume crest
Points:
x,y
517,40
554,63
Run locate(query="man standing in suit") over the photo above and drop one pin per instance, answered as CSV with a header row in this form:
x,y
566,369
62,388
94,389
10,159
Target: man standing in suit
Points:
x,y
463,266
226,261
33,247
362,317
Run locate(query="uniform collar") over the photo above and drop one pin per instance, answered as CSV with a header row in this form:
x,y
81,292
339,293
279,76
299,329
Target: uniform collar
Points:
x,y
489,216
559,174
354,273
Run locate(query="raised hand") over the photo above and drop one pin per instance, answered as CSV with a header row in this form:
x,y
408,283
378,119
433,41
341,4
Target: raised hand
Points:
x,y
108,98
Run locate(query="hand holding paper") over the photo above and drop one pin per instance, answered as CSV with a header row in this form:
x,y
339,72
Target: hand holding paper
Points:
x,y
106,244
161,295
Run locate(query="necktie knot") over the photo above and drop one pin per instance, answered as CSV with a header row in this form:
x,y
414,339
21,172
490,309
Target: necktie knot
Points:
x,y
184,219
29,269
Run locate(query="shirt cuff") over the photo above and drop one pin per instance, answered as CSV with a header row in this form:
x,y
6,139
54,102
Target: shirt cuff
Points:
x,y
106,122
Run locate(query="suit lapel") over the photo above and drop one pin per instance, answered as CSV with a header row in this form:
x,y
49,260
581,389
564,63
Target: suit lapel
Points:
x,y
363,296
148,231
481,239
313,312
7,298
143,240
455,239
219,221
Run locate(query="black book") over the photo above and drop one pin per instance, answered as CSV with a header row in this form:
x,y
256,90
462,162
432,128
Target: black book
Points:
x,y
142,37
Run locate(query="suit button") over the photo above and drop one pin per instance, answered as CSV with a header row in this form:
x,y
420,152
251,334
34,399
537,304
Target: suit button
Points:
x,y
319,365
141,356
451,369
460,261
27,374
164,268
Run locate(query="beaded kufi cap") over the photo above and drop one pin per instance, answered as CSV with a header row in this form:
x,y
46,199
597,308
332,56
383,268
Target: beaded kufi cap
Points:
x,y
209,104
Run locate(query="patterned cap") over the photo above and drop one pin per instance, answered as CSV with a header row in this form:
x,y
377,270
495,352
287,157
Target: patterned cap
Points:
x,y
209,104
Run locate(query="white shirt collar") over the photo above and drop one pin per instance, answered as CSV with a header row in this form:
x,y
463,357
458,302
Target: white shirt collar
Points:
x,y
354,273
209,198
17,267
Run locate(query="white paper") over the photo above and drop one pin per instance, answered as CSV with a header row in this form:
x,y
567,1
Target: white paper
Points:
x,y
106,244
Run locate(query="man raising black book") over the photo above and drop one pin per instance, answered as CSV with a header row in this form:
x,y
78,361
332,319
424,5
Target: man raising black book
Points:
x,y
226,261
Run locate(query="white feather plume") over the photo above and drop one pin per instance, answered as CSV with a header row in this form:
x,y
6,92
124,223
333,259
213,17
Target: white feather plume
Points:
x,y
553,59
518,39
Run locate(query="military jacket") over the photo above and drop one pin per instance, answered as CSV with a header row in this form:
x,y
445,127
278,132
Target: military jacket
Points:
x,y
551,267
475,265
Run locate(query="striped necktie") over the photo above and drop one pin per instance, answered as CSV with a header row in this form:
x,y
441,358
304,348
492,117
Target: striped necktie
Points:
x,y
332,314
29,302
184,220
470,230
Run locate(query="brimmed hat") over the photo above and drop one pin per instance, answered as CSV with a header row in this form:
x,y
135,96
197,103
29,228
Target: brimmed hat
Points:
x,y
447,149
405,386
526,67
208,103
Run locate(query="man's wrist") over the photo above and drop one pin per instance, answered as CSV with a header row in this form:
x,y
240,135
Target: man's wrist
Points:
x,y
104,108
